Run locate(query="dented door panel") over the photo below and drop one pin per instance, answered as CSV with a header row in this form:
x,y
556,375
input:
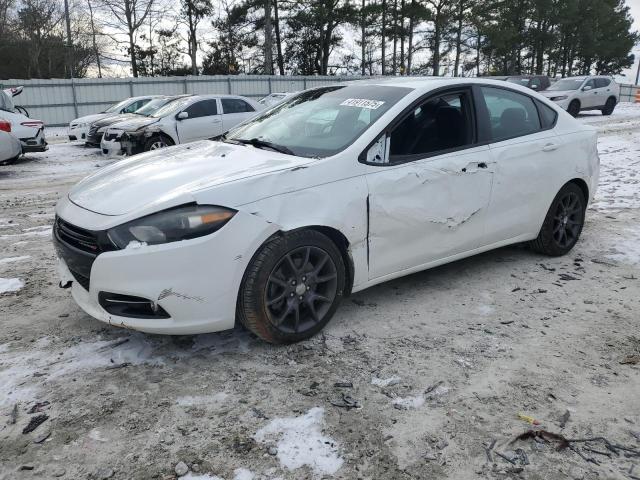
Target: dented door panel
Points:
x,y
427,210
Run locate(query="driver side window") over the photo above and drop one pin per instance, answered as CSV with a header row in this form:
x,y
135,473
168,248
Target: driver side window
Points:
x,y
439,124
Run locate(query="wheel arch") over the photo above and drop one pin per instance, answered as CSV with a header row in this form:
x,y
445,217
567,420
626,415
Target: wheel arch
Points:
x,y
582,185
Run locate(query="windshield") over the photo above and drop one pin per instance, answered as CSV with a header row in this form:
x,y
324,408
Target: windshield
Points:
x,y
153,106
171,108
320,122
519,81
118,106
566,84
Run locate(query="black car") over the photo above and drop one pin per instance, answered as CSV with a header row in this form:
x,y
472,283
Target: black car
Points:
x,y
534,82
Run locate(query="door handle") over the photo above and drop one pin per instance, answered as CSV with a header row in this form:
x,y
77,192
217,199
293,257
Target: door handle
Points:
x,y
549,147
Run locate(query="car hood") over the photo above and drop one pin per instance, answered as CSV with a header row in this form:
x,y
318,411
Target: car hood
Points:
x,y
136,123
92,118
556,93
103,122
168,177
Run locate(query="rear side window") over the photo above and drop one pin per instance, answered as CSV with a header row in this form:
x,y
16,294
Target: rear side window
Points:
x,y
236,105
440,123
547,115
203,108
602,82
137,105
511,114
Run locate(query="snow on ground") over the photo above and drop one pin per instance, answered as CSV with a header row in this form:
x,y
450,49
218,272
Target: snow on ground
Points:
x,y
10,285
408,402
300,442
4,261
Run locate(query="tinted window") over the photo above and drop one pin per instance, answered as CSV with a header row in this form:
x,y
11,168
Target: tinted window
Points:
x,y
602,82
136,106
203,108
511,114
235,105
441,123
591,83
547,115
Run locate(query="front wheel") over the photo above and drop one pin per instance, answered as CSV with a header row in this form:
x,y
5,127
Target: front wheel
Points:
x,y
292,287
156,142
609,106
563,224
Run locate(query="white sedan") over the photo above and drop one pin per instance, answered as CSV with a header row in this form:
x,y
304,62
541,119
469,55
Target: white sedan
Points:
x,y
187,119
30,132
338,189
10,146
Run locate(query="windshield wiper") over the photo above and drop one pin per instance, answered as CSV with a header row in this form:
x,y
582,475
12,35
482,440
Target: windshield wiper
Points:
x,y
258,143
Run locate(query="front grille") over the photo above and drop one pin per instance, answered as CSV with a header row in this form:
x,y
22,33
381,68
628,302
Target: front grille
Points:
x,y
110,136
77,237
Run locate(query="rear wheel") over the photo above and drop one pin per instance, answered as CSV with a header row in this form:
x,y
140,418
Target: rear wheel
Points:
x,y
292,287
563,224
574,108
609,106
156,142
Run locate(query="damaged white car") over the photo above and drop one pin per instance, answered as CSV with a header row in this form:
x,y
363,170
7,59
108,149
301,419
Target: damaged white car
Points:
x,y
330,192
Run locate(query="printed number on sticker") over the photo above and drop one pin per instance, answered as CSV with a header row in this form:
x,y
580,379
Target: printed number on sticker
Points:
x,y
362,103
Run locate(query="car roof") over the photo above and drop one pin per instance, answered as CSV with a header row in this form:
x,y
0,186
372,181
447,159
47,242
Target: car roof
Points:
x,y
431,83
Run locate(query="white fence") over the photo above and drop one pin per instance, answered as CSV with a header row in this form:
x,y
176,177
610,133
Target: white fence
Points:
x,y
59,101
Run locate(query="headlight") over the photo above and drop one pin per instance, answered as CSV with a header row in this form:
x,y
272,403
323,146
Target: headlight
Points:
x,y
173,225
561,97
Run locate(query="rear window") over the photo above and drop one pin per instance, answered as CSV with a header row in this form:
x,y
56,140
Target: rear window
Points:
x,y
236,105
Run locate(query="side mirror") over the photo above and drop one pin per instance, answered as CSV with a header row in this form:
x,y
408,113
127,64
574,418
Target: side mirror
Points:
x,y
182,116
586,88
379,151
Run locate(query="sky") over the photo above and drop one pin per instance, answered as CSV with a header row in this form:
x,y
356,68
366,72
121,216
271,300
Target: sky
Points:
x,y
630,74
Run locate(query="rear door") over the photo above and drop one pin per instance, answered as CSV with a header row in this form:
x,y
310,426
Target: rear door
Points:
x,y
430,185
526,151
234,111
590,98
204,121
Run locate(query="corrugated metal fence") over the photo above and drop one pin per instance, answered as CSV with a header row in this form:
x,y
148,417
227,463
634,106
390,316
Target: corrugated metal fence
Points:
x,y
59,101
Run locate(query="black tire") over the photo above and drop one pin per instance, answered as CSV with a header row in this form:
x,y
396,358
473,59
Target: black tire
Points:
x,y
574,108
563,224
10,161
609,107
156,142
292,287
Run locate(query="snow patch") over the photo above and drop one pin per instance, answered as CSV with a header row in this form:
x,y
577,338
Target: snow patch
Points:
x,y
242,474
385,382
8,285
409,402
4,261
626,247
301,442
193,476
190,401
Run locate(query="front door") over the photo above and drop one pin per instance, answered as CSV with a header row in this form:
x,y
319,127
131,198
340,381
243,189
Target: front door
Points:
x,y
203,121
429,186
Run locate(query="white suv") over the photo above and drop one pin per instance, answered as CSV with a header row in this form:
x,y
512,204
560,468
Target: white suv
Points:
x,y
576,94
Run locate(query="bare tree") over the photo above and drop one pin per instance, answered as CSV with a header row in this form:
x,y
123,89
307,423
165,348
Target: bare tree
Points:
x,y
191,13
268,39
128,17
276,24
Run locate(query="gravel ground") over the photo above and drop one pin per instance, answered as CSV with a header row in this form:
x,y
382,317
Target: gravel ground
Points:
x,y
421,377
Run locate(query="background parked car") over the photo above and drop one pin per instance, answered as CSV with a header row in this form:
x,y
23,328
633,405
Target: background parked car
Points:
x,y
185,120
79,128
275,98
30,132
111,147
534,82
97,128
10,147
576,94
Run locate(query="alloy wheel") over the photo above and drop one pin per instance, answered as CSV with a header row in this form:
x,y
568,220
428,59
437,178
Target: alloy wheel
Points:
x,y
301,289
157,144
567,220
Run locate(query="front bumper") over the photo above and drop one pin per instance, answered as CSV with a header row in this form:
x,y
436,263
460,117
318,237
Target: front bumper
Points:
x,y
93,139
111,148
78,133
195,281
36,143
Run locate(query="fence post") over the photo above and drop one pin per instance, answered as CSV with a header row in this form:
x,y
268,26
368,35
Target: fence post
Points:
x,y
75,99
186,90
131,87
304,83
270,87
229,84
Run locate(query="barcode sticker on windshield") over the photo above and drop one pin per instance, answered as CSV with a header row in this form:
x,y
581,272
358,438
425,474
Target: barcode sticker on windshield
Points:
x,y
362,103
